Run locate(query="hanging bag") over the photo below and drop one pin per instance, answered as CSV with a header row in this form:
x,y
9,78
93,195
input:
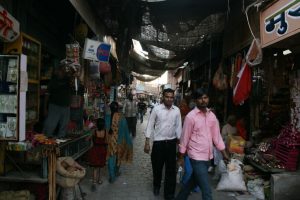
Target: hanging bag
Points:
x,y
220,79
254,55
75,101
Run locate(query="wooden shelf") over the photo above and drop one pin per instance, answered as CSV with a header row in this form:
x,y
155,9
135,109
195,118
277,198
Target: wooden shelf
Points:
x,y
33,81
16,176
44,78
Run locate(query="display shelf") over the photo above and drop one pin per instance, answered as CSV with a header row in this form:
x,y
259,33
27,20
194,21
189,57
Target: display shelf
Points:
x,y
31,47
37,171
12,97
15,176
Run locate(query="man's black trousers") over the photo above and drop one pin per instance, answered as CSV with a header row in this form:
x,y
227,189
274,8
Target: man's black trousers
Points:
x,y
164,153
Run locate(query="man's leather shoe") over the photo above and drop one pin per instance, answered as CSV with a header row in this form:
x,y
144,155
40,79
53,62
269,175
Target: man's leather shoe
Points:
x,y
156,191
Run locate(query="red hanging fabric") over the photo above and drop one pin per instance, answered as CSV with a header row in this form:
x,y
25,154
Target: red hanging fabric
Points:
x,y
242,89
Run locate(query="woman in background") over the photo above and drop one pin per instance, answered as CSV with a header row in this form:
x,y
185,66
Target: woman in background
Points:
x,y
119,149
97,154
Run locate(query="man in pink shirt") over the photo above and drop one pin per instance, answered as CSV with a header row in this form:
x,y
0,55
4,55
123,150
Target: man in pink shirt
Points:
x,y
200,132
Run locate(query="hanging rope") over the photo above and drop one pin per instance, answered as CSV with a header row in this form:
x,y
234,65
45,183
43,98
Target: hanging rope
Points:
x,y
228,8
246,13
257,4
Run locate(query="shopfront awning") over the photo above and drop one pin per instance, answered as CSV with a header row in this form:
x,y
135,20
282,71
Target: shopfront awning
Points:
x,y
168,31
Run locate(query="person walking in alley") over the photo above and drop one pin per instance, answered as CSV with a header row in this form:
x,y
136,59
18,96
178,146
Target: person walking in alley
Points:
x,y
97,154
200,132
142,107
119,143
129,111
165,126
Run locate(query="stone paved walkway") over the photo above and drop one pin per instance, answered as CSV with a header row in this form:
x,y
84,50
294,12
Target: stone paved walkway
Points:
x,y
135,182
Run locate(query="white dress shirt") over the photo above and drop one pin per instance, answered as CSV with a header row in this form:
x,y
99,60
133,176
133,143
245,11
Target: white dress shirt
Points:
x,y
130,108
164,123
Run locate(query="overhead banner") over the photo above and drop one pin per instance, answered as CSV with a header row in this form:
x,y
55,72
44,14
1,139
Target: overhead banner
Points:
x,y
9,26
279,21
95,50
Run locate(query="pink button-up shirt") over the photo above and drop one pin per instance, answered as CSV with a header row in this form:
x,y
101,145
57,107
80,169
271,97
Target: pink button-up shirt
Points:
x,y
200,131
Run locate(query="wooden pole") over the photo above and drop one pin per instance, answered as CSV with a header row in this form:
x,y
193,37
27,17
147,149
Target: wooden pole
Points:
x,y
50,177
52,173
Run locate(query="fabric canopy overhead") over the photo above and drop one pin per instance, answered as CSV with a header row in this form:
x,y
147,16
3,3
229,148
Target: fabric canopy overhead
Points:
x,y
142,77
167,30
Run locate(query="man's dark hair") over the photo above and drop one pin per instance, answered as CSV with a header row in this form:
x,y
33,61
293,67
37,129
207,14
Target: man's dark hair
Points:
x,y
168,90
199,93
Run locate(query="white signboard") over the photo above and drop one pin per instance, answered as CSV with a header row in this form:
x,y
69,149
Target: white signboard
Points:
x,y
90,49
95,50
279,21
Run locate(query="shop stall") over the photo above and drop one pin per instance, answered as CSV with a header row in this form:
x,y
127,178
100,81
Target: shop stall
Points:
x,y
263,94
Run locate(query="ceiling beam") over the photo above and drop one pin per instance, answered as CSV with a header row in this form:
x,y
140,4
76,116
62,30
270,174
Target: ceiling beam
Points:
x,y
86,12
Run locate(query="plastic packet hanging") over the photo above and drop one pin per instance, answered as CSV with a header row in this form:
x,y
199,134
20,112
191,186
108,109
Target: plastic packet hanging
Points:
x,y
179,174
254,55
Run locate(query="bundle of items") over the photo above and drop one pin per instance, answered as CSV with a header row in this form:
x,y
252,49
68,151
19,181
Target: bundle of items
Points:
x,y
72,52
267,161
236,144
16,195
39,139
250,173
70,66
18,146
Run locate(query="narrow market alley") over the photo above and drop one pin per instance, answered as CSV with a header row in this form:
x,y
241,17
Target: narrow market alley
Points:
x,y
135,181
70,83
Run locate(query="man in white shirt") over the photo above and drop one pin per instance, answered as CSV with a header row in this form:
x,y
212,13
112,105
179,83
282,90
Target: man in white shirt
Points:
x,y
129,111
165,126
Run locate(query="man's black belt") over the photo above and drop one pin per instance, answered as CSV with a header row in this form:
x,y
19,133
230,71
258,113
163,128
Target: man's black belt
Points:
x,y
166,141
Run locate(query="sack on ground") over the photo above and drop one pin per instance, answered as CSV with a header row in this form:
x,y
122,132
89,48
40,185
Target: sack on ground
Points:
x,y
232,180
256,188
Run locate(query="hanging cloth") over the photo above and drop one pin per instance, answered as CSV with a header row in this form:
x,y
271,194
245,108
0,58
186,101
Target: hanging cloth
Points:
x,y
237,67
242,89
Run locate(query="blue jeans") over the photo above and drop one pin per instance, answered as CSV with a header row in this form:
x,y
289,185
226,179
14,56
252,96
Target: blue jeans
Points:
x,y
199,177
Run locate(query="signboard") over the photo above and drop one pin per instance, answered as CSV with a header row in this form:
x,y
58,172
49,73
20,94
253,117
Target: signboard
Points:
x,y
279,21
9,26
95,50
103,52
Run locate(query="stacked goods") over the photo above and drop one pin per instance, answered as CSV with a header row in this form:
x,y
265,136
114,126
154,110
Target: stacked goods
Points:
x,y
287,147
